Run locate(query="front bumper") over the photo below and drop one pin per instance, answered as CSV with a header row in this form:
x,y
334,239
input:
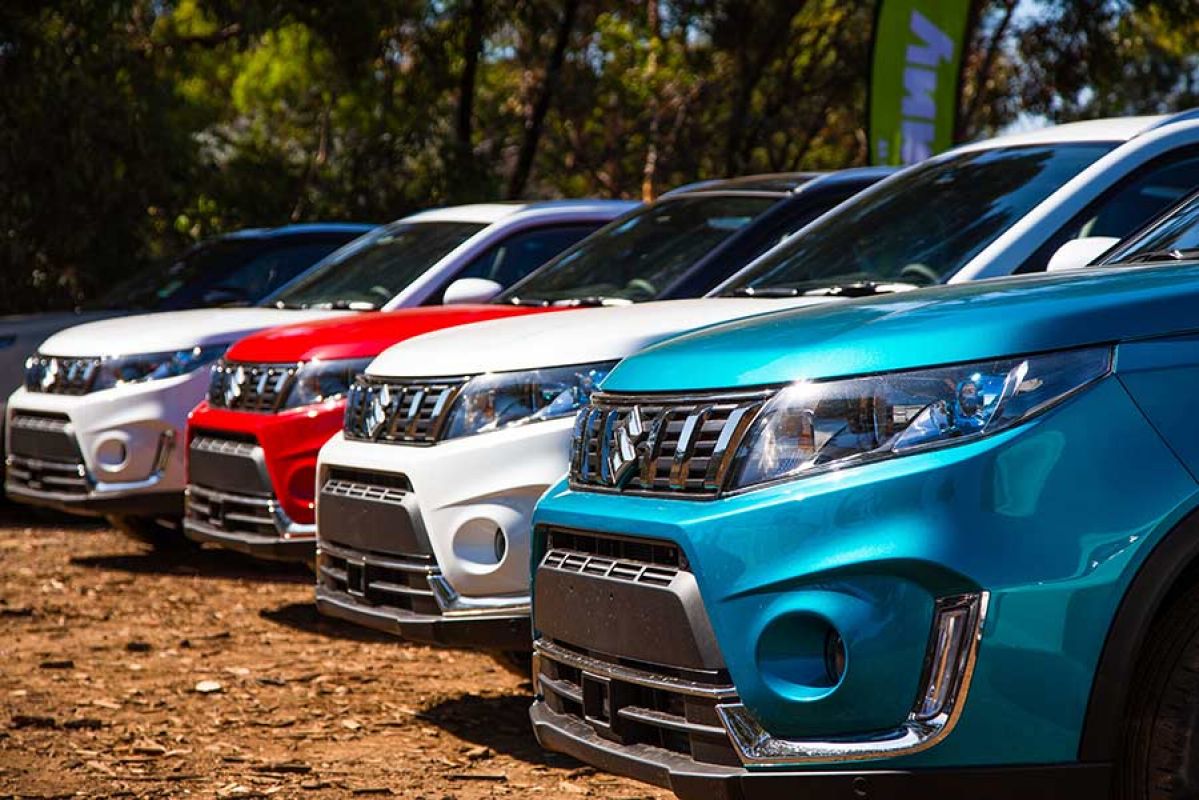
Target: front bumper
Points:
x,y
693,781
251,478
455,515
109,452
866,553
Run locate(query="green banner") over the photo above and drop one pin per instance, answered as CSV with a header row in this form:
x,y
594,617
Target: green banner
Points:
x,y
914,77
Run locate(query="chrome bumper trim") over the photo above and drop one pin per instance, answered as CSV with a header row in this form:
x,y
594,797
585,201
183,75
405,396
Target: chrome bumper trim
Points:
x,y
650,680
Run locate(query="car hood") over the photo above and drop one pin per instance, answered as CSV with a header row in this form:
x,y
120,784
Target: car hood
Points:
x,y
944,325
362,335
170,330
580,337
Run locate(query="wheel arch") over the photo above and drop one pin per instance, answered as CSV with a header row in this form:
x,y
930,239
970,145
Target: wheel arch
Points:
x,y
1172,565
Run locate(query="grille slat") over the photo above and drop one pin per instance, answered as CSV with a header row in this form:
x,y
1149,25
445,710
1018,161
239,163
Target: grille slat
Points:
x,y
258,388
659,446
59,375
230,511
395,411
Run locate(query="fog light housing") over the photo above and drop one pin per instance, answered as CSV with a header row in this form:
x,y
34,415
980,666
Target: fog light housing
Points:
x,y
948,670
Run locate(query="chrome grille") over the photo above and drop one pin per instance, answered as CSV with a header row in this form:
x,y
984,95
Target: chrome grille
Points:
x,y
660,445
42,475
398,582
229,511
260,388
638,704
58,375
400,411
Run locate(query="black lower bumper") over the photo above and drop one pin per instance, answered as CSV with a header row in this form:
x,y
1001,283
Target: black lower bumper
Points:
x,y
490,632
691,780
142,504
275,548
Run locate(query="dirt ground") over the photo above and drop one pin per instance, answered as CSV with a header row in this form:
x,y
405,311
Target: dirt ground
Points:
x,y
127,673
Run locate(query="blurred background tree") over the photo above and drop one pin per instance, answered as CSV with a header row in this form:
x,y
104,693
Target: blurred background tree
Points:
x,y
131,128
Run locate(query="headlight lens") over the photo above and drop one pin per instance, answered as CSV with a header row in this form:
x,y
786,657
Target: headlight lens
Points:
x,y
813,427
506,399
142,367
318,381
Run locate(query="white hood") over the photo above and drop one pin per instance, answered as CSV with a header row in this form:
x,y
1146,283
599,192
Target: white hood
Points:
x,y
170,330
563,337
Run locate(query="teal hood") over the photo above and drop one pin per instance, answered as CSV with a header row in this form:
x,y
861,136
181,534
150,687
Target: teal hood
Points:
x,y
943,325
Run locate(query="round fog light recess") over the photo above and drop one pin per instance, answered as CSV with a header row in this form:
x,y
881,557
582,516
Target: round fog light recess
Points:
x,y
480,541
302,484
800,654
112,453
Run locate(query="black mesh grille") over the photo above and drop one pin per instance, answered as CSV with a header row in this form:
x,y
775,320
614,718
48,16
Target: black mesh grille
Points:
x,y
644,551
57,375
649,445
399,411
260,388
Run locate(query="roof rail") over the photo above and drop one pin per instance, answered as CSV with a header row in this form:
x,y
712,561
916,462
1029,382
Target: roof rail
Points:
x,y
1181,116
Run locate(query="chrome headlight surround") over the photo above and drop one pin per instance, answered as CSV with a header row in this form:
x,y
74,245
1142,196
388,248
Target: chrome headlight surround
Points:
x,y
813,427
320,381
500,400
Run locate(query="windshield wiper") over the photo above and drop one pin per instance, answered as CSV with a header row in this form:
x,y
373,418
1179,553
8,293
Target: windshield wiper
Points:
x,y
764,291
1160,255
855,289
535,302
595,300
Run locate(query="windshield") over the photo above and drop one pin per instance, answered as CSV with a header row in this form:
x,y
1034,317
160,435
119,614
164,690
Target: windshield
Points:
x,y
923,226
1175,235
376,267
219,272
640,255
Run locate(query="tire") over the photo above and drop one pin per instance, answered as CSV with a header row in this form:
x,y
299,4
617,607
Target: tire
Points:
x,y
152,532
1160,752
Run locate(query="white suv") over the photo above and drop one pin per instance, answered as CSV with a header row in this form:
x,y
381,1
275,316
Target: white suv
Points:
x,y
424,500
97,428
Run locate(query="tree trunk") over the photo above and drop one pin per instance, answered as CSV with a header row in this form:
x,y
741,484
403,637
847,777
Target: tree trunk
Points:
x,y
541,106
466,83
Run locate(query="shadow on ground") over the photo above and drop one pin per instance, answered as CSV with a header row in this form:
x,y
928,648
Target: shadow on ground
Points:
x,y
15,515
304,617
203,563
501,723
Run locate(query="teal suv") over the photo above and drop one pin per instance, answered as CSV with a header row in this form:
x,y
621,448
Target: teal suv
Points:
x,y
943,541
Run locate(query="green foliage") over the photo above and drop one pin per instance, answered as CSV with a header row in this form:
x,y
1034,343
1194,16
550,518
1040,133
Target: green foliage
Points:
x,y
130,128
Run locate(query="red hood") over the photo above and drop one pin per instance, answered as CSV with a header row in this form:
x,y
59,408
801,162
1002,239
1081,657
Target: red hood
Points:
x,y
361,335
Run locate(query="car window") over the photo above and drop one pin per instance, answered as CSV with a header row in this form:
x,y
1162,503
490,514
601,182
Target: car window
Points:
x,y
639,255
376,267
515,257
1124,208
1176,234
923,225
269,270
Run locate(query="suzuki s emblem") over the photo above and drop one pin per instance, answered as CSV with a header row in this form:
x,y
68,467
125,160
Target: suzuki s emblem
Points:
x,y
50,374
233,386
626,447
376,415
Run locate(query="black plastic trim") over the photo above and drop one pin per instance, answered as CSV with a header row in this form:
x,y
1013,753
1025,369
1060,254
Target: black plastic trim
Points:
x,y
477,633
148,504
271,547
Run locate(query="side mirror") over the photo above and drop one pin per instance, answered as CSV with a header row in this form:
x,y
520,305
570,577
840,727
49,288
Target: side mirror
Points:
x,y
1078,253
225,296
470,290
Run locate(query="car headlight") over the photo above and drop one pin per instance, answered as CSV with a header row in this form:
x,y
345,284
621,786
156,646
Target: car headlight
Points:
x,y
506,399
42,373
812,427
318,381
